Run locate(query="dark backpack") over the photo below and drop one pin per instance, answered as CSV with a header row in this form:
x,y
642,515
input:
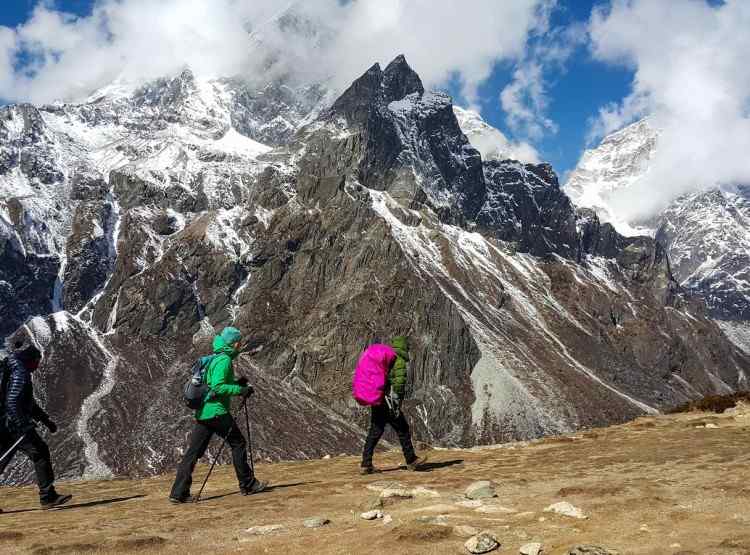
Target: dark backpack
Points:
x,y
196,390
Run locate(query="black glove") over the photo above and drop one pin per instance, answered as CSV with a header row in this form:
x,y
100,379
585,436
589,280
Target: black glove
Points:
x,y
394,403
51,426
247,391
242,381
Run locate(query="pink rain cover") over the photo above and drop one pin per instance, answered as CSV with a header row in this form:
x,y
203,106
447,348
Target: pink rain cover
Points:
x,y
368,385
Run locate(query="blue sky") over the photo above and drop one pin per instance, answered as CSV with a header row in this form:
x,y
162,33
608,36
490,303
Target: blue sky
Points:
x,y
574,92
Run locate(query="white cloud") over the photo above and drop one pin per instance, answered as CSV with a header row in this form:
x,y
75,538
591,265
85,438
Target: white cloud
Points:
x,y
137,40
491,142
525,99
692,76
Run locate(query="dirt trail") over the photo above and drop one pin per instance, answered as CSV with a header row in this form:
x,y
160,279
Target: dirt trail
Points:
x,y
658,485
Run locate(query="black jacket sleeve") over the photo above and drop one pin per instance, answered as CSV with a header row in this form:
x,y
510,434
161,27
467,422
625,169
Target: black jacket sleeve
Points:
x,y
20,380
38,414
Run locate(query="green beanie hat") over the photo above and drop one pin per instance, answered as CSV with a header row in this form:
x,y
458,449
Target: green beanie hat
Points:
x,y
231,335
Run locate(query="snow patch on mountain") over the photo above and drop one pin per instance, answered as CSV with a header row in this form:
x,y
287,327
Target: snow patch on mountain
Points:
x,y
606,172
490,141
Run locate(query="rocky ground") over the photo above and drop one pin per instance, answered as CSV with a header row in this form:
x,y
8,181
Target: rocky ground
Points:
x,y
661,484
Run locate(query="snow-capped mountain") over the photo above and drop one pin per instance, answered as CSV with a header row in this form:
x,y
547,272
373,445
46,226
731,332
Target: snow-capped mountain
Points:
x,y
708,238
136,224
706,234
617,163
491,143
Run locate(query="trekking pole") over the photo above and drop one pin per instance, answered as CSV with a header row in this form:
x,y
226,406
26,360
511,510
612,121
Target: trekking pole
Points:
x,y
210,470
9,453
249,441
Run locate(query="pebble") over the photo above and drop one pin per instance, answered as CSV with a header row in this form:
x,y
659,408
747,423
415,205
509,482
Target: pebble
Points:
x,y
265,530
534,548
484,489
316,522
566,509
372,515
482,543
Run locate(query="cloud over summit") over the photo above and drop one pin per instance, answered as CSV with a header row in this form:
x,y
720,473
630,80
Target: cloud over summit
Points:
x,y
55,55
691,74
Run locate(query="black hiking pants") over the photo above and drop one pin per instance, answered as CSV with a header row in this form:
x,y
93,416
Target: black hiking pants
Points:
x,y
223,426
35,449
379,417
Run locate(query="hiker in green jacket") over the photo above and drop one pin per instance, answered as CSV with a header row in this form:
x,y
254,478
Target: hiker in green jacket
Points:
x,y
214,418
389,412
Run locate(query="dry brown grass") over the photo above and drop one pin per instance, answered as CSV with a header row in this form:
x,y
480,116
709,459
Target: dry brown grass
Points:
x,y
686,484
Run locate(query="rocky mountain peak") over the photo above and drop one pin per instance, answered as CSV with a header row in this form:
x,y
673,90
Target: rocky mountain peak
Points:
x,y
168,220
377,88
400,80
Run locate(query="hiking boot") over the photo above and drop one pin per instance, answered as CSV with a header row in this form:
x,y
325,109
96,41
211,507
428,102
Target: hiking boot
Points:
x,y
256,487
366,470
416,464
180,500
56,501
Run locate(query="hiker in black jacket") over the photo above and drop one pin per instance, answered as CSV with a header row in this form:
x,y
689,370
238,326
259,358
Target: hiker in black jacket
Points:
x,y
19,412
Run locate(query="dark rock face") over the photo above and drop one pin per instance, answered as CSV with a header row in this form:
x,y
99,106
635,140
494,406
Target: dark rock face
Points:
x,y
412,144
378,218
526,207
26,283
89,251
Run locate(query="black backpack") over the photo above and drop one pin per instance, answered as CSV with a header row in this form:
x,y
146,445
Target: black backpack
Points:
x,y
196,391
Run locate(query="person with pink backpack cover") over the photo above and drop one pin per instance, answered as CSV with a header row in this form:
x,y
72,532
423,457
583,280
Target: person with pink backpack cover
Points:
x,y
379,382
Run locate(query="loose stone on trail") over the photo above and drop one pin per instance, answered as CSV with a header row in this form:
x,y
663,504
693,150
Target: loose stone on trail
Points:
x,y
482,543
483,489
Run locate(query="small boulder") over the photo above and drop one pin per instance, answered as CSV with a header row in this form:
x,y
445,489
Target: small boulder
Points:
x,y
327,458
482,543
484,489
534,548
316,522
372,515
566,509
387,519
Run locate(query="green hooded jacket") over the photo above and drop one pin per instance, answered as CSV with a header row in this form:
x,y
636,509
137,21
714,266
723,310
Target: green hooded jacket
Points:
x,y
397,374
220,378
